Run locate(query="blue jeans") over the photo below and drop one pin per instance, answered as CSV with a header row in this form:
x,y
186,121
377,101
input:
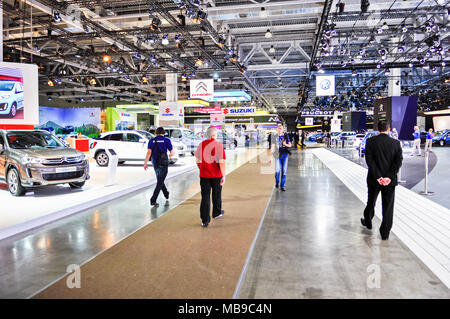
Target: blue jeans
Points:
x,y
161,173
281,164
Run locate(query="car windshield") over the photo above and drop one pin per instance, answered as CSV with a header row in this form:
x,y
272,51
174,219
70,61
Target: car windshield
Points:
x,y
335,133
33,140
147,135
438,134
6,86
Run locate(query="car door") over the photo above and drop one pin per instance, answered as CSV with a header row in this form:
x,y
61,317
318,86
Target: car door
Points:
x,y
137,146
116,142
2,159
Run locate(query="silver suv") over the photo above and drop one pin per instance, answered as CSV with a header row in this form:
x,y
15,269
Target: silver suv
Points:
x,y
37,158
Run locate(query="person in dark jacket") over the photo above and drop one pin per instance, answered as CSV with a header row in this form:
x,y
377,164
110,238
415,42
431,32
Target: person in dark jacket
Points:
x,y
384,158
280,145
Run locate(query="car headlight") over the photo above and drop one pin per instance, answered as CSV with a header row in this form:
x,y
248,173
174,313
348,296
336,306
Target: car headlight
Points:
x,y
5,96
31,160
81,158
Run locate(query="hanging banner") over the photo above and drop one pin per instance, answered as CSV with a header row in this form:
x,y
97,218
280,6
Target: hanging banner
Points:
x,y
325,85
309,121
171,113
202,89
217,120
335,125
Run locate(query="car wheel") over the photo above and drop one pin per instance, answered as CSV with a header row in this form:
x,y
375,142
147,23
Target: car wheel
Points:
x,y
77,184
441,142
14,185
13,110
102,158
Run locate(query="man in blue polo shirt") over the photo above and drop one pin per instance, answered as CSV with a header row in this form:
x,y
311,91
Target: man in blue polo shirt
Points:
x,y
416,144
157,147
429,141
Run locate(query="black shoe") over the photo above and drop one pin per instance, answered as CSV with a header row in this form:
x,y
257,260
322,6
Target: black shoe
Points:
x,y
219,216
283,189
276,186
166,196
384,237
154,204
363,222
205,225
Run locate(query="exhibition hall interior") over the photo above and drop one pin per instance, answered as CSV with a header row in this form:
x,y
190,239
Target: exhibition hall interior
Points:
x,y
298,93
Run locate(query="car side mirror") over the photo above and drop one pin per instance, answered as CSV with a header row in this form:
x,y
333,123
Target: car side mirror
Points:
x,y
1,148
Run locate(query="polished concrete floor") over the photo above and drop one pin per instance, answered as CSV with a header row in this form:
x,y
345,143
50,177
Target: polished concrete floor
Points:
x,y
413,171
312,245
32,260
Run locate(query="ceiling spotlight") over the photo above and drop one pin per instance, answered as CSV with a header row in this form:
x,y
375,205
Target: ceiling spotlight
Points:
x,y
56,17
153,58
421,60
156,23
81,99
127,77
85,28
165,40
443,63
263,13
362,51
177,38
434,69
380,30
58,81
385,26
144,79
106,58
183,77
272,49
50,82
401,49
419,49
201,16
342,51
378,65
411,64
268,34
354,73
404,28
242,70
364,6
221,43
199,62
37,48
428,54
234,58
343,63
92,81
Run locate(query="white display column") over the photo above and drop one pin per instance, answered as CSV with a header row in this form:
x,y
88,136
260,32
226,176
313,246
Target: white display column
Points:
x,y
171,87
394,83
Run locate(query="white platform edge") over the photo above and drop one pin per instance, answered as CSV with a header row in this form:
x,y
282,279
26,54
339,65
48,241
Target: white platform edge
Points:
x,y
328,157
58,214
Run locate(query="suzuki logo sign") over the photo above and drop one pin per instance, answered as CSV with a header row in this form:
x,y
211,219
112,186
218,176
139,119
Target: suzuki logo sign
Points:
x,y
203,89
239,110
167,110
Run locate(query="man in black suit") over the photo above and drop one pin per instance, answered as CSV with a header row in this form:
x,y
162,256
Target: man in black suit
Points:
x,y
384,159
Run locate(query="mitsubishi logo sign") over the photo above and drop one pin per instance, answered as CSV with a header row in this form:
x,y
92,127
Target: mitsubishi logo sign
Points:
x,y
203,89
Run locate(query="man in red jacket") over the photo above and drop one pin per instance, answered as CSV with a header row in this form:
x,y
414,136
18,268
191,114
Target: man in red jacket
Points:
x,y
210,158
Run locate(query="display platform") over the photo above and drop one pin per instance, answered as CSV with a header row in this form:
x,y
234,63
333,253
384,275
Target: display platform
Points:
x,y
48,204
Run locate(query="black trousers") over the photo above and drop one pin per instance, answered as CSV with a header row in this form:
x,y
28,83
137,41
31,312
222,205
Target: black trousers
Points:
x,y
207,185
161,174
387,200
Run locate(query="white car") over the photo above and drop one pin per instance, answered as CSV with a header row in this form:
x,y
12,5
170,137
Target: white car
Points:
x,y
129,146
11,97
358,139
